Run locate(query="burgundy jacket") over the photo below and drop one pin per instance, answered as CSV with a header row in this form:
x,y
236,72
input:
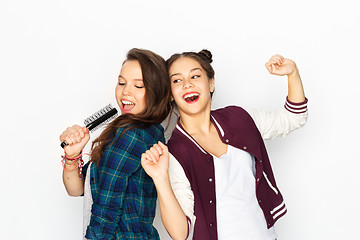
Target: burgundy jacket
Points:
x,y
236,128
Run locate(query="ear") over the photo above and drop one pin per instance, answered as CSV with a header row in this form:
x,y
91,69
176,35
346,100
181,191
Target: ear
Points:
x,y
171,98
212,85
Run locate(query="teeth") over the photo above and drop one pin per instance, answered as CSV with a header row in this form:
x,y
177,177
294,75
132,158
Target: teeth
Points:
x,y
191,95
127,102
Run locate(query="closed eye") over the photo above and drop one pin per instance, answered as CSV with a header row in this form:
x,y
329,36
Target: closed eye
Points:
x,y
139,86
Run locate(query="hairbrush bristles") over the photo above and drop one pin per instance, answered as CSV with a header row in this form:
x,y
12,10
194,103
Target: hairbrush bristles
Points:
x,y
100,118
98,114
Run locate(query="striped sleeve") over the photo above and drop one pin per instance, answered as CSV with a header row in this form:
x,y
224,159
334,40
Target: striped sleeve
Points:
x,y
296,108
280,123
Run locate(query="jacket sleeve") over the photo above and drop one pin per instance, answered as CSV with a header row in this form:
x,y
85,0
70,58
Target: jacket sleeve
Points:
x,y
272,124
120,160
183,192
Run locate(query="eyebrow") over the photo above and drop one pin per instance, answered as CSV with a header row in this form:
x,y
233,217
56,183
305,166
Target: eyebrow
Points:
x,y
194,69
137,79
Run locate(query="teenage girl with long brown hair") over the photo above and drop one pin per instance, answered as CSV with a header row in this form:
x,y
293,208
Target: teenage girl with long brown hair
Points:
x,y
117,191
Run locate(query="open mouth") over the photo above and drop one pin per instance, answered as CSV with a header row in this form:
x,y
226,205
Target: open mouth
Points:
x,y
191,97
127,106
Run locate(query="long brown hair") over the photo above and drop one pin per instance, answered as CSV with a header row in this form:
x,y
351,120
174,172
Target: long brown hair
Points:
x,y
157,98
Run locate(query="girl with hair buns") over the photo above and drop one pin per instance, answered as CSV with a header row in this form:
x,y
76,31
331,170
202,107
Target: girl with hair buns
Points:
x,y
214,179
117,191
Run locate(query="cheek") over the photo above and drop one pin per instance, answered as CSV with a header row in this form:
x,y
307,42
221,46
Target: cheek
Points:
x,y
141,99
118,92
174,91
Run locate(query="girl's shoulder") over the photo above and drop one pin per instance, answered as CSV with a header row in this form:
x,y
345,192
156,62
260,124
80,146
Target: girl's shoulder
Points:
x,y
154,129
230,111
148,135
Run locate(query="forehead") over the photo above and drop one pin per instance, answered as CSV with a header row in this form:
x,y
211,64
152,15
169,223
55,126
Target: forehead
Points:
x,y
184,65
131,70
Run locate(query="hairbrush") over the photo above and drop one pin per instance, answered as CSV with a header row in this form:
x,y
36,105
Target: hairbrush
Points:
x,y
98,119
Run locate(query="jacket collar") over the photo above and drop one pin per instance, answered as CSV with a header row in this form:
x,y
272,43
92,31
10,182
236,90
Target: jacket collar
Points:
x,y
218,127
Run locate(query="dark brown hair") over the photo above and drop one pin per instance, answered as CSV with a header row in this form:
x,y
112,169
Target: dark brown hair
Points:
x,y
157,98
204,58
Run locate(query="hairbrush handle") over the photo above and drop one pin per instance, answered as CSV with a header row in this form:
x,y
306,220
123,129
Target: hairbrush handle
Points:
x,y
63,144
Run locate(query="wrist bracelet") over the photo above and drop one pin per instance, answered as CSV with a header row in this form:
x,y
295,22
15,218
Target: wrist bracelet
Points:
x,y
77,161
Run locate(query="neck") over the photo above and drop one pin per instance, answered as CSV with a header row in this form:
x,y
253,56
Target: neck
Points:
x,y
195,123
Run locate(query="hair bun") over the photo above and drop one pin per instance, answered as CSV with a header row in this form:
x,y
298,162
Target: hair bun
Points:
x,y
206,54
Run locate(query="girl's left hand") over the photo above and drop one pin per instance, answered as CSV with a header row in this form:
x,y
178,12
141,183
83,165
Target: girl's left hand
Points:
x,y
278,65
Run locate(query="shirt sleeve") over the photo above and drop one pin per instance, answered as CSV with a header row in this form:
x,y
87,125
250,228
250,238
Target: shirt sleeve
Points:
x,y
120,160
272,124
183,192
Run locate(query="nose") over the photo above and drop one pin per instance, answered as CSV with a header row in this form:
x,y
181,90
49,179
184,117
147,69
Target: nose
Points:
x,y
126,90
187,84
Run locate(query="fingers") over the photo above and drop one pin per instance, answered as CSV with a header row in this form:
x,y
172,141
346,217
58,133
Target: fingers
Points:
x,y
145,158
155,152
159,149
68,140
85,130
268,66
163,147
74,134
276,60
275,64
149,156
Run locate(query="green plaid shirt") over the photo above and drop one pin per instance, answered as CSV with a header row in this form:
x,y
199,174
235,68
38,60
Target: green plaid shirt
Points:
x,y
124,196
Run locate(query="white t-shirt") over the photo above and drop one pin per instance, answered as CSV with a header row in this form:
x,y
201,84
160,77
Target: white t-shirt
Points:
x,y
238,213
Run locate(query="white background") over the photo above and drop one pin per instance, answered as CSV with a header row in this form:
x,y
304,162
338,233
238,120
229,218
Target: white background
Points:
x,y
59,62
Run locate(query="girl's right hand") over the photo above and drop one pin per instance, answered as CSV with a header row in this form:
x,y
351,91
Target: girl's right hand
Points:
x,y
155,161
77,137
278,65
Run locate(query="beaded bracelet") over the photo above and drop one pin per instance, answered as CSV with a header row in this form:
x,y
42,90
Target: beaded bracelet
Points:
x,y
75,160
